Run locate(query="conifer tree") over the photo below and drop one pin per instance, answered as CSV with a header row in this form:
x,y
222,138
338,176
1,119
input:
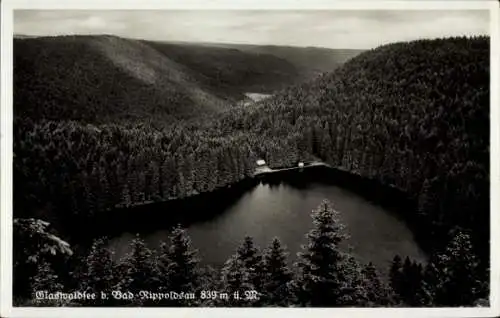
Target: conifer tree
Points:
x,y
376,291
430,280
98,274
209,281
249,254
35,243
395,274
321,272
451,276
409,283
406,291
428,198
276,287
168,177
353,289
138,272
126,200
178,267
46,280
235,281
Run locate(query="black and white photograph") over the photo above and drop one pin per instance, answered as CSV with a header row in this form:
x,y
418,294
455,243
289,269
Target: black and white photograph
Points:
x,y
258,157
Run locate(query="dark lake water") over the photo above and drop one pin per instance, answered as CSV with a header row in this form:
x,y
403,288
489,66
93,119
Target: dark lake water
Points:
x,y
279,208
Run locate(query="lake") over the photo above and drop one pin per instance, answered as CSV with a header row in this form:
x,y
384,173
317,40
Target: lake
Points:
x,y
277,206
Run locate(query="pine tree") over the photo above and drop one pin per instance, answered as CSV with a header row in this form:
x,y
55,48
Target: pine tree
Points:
x,y
186,170
98,274
209,281
353,289
126,200
407,290
235,281
141,186
276,288
169,178
138,272
320,278
178,267
450,276
249,254
428,199
410,289
376,291
104,194
395,275
430,281
46,280
34,243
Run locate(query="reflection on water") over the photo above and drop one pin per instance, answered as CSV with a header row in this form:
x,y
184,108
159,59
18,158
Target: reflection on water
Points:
x,y
283,210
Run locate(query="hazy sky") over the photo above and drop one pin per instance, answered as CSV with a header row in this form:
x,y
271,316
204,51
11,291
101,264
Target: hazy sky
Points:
x,y
331,28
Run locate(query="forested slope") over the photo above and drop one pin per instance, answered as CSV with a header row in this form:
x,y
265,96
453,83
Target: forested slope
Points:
x,y
411,115
102,78
309,61
233,70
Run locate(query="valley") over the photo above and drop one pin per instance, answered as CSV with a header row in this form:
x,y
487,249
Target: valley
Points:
x,y
104,78
117,137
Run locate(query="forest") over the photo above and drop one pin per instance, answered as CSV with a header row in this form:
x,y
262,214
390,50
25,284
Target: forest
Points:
x,y
109,79
323,276
412,115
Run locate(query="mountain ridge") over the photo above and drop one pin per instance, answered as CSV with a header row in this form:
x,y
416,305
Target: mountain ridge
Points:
x,y
103,78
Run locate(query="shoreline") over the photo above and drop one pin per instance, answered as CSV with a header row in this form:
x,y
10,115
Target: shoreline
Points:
x,y
146,217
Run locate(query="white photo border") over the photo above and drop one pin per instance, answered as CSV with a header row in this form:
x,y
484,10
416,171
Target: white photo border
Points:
x,y
6,82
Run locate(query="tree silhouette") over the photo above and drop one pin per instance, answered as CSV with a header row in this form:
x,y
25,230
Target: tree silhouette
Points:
x,y
98,273
235,280
137,272
178,267
250,255
452,275
320,277
277,277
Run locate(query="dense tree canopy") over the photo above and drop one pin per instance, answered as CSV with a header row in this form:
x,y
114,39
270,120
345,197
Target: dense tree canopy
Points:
x,y
414,116
323,276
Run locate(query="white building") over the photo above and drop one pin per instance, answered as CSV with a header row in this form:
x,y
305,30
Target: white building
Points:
x,y
261,163
301,165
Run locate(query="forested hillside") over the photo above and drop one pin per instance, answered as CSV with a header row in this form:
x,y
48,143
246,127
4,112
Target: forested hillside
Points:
x,y
413,115
309,61
101,79
323,276
233,70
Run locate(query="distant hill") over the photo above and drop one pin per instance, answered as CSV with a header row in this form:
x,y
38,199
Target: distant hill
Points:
x,y
413,115
232,70
97,78
108,78
254,68
23,36
309,61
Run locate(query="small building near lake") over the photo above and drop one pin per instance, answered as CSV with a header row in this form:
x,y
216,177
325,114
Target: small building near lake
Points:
x,y
301,165
261,162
